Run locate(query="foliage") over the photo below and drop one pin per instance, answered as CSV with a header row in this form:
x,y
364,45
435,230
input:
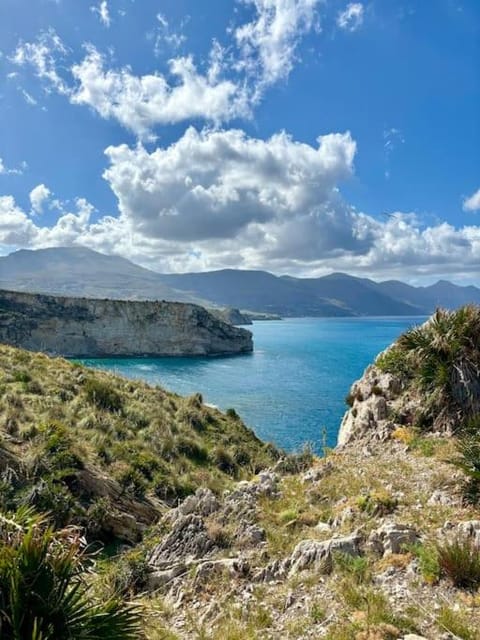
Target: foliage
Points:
x,y
459,561
43,595
427,556
442,357
91,422
102,395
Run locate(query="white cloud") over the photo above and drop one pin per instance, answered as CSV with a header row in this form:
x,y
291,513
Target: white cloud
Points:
x,y
473,202
38,196
165,35
103,13
268,44
29,99
42,55
219,199
139,103
392,138
351,18
6,171
225,87
213,184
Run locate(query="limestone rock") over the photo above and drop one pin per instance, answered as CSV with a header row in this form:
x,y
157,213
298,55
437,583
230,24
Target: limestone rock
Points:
x,y
77,327
187,540
368,415
392,538
203,502
470,529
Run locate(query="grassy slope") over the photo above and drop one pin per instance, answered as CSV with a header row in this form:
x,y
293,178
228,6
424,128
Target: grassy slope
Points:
x,y
62,424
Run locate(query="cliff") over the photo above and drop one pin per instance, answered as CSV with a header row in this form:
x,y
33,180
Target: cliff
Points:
x,y
76,327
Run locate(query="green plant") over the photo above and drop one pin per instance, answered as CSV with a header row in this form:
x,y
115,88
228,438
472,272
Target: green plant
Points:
x,y
459,561
103,395
377,503
442,357
457,623
468,459
43,595
427,556
356,567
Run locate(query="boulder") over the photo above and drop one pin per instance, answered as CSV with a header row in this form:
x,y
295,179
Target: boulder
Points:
x,y
392,538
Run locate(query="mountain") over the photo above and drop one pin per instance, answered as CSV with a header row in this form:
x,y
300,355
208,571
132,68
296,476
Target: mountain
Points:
x,y
83,272
76,271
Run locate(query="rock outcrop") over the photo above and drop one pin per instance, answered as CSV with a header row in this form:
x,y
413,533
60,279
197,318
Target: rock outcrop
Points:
x,y
369,398
76,327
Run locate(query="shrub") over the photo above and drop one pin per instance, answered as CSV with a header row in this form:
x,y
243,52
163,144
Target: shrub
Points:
x,y
224,460
428,564
132,480
442,357
468,459
457,624
22,376
103,395
460,562
191,449
43,593
377,503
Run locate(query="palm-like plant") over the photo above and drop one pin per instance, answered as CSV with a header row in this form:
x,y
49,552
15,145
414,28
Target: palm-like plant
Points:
x,y
444,358
43,592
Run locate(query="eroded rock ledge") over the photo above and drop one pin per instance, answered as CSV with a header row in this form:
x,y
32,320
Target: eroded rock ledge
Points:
x,y
77,327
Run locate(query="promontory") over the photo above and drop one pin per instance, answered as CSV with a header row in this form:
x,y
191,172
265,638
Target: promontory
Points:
x,y
77,327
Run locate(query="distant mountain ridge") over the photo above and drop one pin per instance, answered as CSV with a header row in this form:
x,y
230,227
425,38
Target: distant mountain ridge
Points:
x,y
82,272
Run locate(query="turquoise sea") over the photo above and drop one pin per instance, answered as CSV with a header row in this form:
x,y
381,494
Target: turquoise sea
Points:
x,y
293,387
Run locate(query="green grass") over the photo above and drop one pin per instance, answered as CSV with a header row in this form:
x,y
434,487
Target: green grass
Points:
x,y
154,443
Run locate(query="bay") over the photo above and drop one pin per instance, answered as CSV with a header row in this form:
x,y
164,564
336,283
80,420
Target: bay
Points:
x,y
292,389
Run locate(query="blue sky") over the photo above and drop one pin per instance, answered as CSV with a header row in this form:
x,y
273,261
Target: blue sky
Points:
x,y
298,136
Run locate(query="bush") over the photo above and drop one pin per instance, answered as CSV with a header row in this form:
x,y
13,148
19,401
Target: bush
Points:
x,y
427,557
224,460
468,449
43,592
191,449
460,562
103,395
132,481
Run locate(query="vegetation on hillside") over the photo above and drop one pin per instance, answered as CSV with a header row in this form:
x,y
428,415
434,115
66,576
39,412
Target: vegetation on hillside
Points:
x,y
441,359
65,428
43,591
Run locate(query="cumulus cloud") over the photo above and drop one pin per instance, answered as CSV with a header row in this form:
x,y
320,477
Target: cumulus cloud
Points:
x,y
140,103
38,196
42,55
351,18
103,13
269,42
226,86
217,199
473,202
212,184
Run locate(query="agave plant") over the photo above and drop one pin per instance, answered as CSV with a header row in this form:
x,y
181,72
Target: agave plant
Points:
x,y
43,591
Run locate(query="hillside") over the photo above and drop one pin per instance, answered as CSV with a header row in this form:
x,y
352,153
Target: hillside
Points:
x,y
108,453
378,540
82,272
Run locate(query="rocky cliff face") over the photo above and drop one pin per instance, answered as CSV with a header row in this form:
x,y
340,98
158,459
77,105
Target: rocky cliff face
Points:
x,y
77,327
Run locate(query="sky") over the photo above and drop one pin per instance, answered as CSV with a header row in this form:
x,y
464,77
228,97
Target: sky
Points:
x,y
297,136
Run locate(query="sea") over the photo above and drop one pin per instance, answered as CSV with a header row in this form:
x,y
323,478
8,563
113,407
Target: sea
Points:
x,y
291,390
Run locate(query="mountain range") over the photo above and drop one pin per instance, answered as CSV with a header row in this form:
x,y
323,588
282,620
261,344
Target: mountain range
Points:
x,y
77,271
